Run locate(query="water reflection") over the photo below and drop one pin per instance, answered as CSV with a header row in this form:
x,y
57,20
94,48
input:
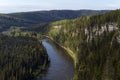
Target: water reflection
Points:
x,y
61,65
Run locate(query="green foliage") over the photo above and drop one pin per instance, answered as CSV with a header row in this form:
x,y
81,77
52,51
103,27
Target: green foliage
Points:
x,y
35,20
20,57
54,15
7,21
18,32
41,28
99,56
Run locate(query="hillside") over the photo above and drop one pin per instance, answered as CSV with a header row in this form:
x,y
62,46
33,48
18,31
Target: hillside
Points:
x,y
33,19
21,58
93,40
7,21
55,15
95,43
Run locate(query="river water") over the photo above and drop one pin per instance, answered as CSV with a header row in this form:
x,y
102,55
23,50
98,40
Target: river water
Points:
x,y
61,65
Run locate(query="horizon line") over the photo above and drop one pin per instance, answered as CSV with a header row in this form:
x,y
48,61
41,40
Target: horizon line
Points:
x,y
56,10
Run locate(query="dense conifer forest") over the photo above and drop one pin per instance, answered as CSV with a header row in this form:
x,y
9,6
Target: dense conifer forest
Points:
x,y
95,42
20,57
32,19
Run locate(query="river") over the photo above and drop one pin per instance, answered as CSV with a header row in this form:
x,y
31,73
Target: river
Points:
x,y
61,65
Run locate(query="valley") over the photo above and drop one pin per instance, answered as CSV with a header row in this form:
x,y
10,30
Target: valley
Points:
x,y
61,66
91,41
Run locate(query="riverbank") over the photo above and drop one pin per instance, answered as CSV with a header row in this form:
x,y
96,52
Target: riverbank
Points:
x,y
25,56
68,51
61,64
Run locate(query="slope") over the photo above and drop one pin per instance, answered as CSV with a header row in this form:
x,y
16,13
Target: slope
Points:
x,y
54,15
7,21
95,41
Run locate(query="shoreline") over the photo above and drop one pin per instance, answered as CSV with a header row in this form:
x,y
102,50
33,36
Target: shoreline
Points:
x,y
68,51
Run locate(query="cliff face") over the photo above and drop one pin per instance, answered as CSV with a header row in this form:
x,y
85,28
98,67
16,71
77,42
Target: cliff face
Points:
x,y
95,41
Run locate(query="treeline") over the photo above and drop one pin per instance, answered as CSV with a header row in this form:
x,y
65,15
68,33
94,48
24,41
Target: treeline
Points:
x,y
20,57
55,15
42,28
28,19
18,32
95,41
7,21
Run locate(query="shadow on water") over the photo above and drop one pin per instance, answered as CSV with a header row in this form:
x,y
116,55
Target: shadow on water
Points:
x,y
61,65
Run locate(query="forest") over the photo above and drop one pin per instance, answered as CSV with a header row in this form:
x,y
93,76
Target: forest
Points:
x,y
95,41
93,38
21,58
36,18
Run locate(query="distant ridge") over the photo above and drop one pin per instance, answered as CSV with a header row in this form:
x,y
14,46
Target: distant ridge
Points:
x,y
26,19
54,15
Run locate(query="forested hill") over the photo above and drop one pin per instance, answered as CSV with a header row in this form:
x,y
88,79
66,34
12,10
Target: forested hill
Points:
x,y
27,19
21,57
54,15
93,40
95,43
8,21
